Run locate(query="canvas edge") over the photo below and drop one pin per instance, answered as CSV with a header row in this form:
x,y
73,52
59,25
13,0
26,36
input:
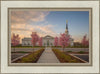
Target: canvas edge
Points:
x,y
52,64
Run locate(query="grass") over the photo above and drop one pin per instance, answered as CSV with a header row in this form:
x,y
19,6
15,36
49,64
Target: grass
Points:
x,y
69,51
31,58
22,52
81,52
65,58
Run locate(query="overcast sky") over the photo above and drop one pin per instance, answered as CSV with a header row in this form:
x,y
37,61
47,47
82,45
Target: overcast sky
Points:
x,y
50,23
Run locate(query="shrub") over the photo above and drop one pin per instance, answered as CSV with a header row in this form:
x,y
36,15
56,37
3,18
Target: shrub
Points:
x,y
81,52
69,51
22,52
73,61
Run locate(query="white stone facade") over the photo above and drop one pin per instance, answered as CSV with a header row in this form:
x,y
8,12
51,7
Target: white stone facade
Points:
x,y
47,41
71,42
26,42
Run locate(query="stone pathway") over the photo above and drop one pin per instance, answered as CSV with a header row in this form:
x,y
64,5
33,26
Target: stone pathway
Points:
x,y
48,56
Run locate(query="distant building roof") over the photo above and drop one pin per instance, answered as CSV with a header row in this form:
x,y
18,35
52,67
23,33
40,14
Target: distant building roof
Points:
x,y
48,36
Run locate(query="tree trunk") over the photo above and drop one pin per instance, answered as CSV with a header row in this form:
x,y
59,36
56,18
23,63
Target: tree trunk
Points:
x,y
63,49
33,49
14,48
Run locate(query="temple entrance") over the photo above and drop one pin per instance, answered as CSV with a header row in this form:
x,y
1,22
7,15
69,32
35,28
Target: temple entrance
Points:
x,y
48,43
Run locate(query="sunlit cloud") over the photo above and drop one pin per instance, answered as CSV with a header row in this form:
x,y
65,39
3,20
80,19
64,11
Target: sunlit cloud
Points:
x,y
41,30
27,16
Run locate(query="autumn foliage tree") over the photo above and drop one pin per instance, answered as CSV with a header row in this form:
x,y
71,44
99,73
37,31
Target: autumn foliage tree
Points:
x,y
56,41
35,39
85,41
64,40
15,40
40,41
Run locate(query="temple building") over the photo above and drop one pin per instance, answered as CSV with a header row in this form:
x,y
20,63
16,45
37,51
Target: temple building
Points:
x,y
47,40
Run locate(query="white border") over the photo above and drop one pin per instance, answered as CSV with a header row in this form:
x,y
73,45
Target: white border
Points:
x,y
49,69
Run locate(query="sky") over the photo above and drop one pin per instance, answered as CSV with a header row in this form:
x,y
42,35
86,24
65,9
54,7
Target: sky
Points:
x,y
50,23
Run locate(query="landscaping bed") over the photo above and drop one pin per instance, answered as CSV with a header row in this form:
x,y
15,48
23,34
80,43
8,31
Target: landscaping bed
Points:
x,y
65,58
31,58
20,52
80,52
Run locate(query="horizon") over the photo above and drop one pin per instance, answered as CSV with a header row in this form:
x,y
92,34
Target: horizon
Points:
x,y
50,23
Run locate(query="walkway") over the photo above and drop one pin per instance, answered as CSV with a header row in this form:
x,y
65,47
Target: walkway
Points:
x,y
48,57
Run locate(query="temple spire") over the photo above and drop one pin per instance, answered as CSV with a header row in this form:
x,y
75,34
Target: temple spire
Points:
x,y
67,24
66,31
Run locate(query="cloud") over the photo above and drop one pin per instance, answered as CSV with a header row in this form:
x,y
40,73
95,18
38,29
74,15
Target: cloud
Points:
x,y
40,29
19,17
47,30
77,38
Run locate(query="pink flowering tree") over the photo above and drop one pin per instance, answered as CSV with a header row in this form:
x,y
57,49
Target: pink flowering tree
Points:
x,y
35,39
15,40
56,41
40,41
85,41
64,40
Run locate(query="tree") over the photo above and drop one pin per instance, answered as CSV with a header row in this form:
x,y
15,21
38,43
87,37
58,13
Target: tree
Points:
x,y
40,41
85,42
15,40
56,41
64,40
35,39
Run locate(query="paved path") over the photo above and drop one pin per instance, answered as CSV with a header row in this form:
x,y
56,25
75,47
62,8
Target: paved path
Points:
x,y
48,57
